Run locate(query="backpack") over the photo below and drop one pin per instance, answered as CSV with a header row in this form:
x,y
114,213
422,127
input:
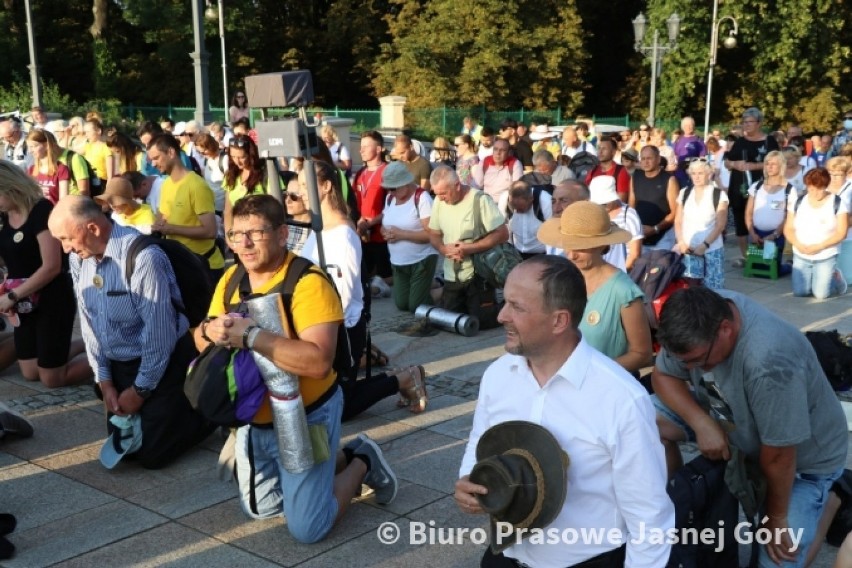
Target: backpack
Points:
x,y
835,357
95,187
759,184
582,163
717,194
702,500
489,161
536,205
494,264
417,193
190,270
298,268
653,272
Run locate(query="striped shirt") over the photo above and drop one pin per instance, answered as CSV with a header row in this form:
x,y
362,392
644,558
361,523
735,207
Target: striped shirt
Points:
x,y
120,324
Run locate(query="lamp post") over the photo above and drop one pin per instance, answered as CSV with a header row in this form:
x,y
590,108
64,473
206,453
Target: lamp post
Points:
x,y
654,52
199,59
34,78
212,15
729,42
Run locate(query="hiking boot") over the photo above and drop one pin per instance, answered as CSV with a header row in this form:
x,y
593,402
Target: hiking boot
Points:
x,y
14,423
380,477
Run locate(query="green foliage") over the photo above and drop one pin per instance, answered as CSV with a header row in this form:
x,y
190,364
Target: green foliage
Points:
x,y
19,96
481,52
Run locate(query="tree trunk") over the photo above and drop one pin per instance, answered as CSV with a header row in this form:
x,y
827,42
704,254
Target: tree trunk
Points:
x,y
99,9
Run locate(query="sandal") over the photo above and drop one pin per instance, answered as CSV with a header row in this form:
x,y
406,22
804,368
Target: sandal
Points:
x,y
378,358
414,397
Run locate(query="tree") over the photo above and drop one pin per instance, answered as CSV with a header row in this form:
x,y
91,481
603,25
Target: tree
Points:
x,y
495,53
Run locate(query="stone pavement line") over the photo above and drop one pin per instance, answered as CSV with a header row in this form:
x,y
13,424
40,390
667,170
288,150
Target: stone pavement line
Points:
x,y
183,516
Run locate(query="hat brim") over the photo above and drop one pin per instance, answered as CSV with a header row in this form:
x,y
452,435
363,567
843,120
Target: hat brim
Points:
x,y
542,135
550,233
109,199
120,443
552,459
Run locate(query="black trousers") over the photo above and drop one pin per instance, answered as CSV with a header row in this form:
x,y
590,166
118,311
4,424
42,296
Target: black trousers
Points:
x,y
359,395
169,424
612,559
474,297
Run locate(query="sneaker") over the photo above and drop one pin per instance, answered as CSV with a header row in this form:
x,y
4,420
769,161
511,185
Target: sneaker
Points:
x,y
355,443
14,423
738,263
380,477
379,288
839,283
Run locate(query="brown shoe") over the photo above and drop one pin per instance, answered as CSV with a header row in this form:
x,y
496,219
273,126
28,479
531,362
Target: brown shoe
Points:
x,y
414,397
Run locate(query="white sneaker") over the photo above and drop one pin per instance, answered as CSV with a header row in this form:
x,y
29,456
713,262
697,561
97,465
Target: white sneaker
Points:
x,y
379,288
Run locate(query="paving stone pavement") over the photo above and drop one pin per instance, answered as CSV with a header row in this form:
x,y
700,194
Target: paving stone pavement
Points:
x,y
72,512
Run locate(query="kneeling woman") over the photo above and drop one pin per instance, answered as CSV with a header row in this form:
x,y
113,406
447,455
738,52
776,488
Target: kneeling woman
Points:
x,y
614,321
342,249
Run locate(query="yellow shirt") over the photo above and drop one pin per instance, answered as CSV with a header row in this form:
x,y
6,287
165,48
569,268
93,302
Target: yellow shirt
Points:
x,y
181,203
239,191
142,218
314,302
98,153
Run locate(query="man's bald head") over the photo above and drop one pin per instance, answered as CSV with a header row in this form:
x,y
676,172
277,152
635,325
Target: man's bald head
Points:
x,y
78,223
568,192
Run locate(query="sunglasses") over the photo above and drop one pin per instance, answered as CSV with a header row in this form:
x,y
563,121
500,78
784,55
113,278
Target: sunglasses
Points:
x,y
239,142
293,196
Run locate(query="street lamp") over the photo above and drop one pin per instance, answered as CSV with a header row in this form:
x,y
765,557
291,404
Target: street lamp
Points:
x,y
655,52
729,42
199,62
34,78
212,14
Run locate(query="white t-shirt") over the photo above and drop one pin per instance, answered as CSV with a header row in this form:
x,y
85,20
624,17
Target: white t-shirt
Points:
x,y
339,152
570,151
153,198
769,208
213,175
523,227
484,152
699,218
407,216
628,219
815,224
845,194
797,180
342,249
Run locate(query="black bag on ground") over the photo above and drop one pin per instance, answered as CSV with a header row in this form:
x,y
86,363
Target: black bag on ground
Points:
x,y
190,270
842,523
835,357
702,499
653,272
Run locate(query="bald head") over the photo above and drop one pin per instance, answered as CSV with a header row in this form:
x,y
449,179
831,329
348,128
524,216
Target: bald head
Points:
x,y
80,226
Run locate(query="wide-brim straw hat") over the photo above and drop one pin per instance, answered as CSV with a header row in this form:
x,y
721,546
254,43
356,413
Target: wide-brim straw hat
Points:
x,y
118,190
583,225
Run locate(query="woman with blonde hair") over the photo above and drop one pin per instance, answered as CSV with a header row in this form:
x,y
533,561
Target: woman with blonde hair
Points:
x,y
38,293
342,249
700,219
52,176
76,138
127,156
339,153
442,152
766,208
840,170
658,139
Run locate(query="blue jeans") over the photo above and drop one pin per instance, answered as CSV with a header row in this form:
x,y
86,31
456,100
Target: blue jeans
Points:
x,y
306,499
813,277
807,502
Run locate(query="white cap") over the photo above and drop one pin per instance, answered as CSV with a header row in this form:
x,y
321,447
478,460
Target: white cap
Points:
x,y
602,190
179,128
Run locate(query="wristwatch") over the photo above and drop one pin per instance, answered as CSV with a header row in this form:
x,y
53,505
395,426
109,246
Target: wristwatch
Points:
x,y
12,296
143,393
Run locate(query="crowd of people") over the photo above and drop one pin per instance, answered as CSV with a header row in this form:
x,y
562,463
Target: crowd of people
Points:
x,y
579,209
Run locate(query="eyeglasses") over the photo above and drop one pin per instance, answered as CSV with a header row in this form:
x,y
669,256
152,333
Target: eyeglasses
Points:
x,y
254,235
704,358
239,141
293,196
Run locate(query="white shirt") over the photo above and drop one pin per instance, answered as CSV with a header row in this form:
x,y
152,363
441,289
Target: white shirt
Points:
x,y
770,208
484,152
815,224
570,151
523,227
605,422
153,198
845,194
628,219
18,154
699,217
339,153
213,175
408,217
342,249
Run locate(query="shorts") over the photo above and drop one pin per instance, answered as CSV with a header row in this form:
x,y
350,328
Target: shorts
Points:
x,y
45,334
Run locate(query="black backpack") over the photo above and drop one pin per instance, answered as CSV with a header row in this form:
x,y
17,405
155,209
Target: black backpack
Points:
x,y
653,272
582,163
299,266
837,203
190,270
702,499
717,194
835,357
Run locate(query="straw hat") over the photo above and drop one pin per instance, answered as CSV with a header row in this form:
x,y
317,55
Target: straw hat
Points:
x,y
542,132
583,225
118,190
526,473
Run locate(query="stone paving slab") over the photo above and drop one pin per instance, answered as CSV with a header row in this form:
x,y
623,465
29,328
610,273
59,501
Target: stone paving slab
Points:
x,y
172,545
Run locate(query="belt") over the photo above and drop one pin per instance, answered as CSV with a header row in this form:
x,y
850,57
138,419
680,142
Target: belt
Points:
x,y
611,559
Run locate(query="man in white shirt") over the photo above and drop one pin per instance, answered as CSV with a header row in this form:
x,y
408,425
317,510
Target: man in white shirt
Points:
x,y
601,416
525,209
15,146
572,145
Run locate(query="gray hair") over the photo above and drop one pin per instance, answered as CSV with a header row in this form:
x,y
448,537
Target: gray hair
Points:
x,y
443,174
576,189
694,165
753,112
542,157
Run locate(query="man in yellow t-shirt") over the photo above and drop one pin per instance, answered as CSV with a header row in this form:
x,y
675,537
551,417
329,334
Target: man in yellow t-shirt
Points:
x,y
186,207
313,500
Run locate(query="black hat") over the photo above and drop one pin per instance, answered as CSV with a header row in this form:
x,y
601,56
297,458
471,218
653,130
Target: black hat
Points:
x,y
526,473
